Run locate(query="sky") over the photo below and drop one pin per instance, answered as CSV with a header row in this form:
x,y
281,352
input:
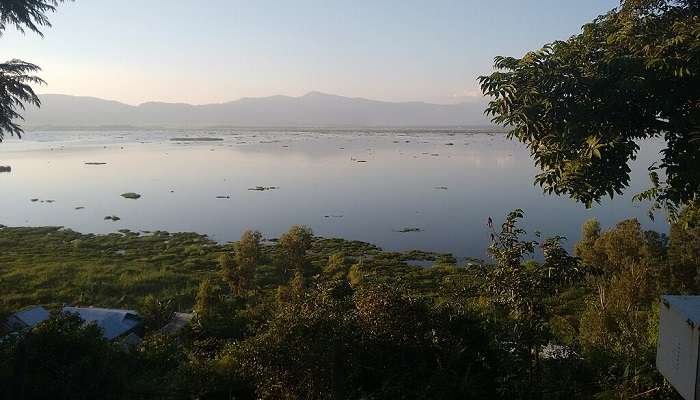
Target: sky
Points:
x,y
220,50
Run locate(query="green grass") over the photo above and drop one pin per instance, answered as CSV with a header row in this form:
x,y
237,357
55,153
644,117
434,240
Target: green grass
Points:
x,y
55,266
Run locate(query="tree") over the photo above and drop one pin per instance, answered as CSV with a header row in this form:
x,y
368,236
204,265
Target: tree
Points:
x,y
156,366
355,273
297,286
684,252
248,254
585,248
229,270
16,76
618,325
15,90
208,305
583,105
214,316
523,290
624,245
156,313
249,249
27,14
294,245
377,343
336,268
293,291
62,358
239,270
302,351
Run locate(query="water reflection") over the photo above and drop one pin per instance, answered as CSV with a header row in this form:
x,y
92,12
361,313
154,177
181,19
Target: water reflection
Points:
x,y
445,182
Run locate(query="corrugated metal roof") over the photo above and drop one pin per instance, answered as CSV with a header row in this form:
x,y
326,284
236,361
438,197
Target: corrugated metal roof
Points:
x,y
32,316
689,306
176,324
131,339
113,322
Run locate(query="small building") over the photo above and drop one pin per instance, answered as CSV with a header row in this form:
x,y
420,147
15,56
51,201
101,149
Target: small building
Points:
x,y
679,343
115,323
25,319
176,324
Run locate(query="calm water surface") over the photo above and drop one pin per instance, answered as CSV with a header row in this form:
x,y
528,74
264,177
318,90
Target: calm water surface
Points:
x,y
446,182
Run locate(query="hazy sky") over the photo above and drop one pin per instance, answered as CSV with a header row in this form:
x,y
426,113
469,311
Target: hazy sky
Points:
x,y
219,50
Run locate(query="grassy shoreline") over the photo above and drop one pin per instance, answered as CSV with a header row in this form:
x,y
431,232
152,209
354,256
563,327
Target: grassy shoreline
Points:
x,y
55,266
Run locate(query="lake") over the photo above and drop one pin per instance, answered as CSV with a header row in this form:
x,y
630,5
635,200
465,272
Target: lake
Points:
x,y
438,185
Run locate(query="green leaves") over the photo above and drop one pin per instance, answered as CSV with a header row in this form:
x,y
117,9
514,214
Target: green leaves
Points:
x,y
523,290
582,106
295,243
156,312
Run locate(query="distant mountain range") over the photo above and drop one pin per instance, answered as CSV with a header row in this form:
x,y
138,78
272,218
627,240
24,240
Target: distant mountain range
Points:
x,y
312,109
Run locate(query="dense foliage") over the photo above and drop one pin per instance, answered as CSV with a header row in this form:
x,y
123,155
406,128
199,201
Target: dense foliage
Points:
x,y
359,323
583,105
56,357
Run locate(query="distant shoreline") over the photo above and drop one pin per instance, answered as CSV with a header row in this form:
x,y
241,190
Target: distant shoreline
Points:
x,y
334,128
313,109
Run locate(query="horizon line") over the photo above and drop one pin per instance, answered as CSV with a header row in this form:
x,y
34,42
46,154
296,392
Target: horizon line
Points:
x,y
467,99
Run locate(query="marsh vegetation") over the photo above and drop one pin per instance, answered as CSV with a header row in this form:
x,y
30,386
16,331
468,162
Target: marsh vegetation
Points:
x,y
308,317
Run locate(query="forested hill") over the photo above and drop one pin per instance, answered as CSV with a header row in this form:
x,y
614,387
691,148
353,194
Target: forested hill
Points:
x,y
312,109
